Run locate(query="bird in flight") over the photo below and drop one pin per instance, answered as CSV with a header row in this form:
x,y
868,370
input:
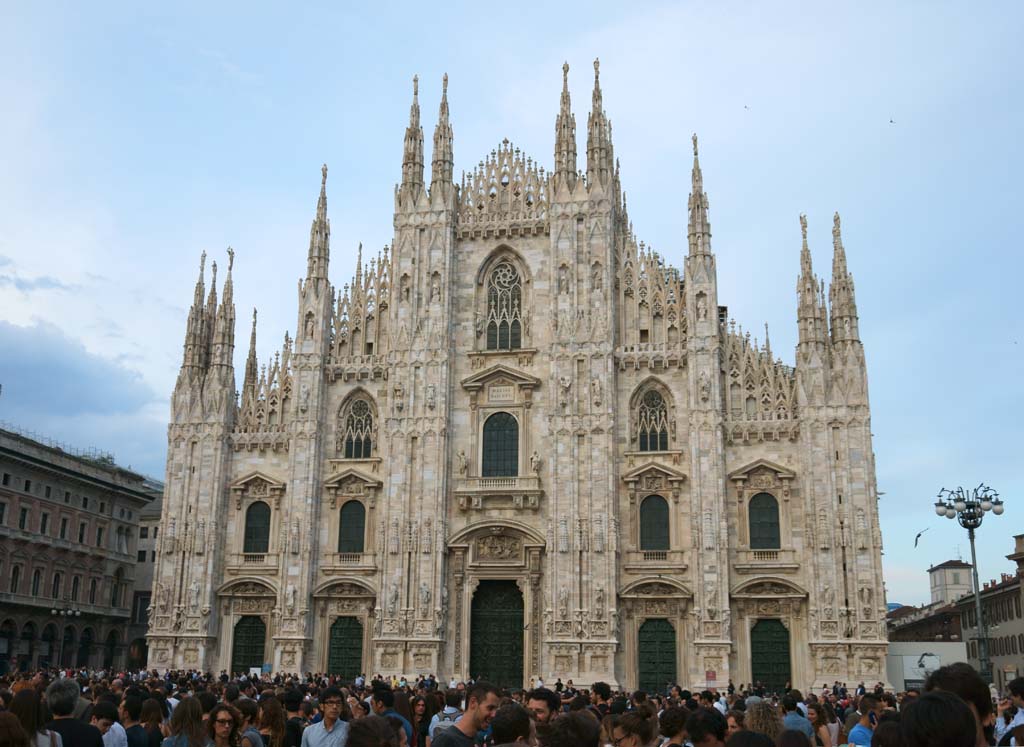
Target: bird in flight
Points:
x,y
918,537
892,121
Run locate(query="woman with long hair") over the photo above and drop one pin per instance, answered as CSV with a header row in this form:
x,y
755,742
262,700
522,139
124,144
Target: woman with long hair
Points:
x,y
272,722
421,716
819,721
763,719
152,720
187,728
637,728
224,726
250,733
12,733
28,707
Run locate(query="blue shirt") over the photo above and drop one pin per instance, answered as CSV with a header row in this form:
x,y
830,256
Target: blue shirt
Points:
x,y
861,735
405,723
793,720
317,735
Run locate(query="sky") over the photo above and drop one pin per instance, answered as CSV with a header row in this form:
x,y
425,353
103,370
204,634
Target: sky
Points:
x,y
134,138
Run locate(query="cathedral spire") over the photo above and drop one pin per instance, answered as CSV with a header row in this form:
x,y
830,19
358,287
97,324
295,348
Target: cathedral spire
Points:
x,y
442,155
699,228
223,343
210,317
319,235
841,292
565,136
251,367
412,156
600,158
192,358
810,319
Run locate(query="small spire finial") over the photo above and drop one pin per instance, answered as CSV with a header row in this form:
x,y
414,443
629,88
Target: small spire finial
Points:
x,y
213,269
231,259
444,84
803,225
835,225
565,74
323,175
254,317
694,138
202,262
597,69
415,85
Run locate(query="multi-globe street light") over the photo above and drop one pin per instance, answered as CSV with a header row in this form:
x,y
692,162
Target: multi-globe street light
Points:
x,y
64,612
969,508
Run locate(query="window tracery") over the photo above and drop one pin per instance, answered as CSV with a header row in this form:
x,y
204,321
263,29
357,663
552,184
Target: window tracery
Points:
x,y
652,422
504,308
357,429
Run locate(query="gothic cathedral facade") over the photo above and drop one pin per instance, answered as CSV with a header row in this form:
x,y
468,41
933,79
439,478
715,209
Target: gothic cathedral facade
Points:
x,y
521,444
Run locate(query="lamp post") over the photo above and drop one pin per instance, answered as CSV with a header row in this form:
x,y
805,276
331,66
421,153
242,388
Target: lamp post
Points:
x,y
969,508
63,613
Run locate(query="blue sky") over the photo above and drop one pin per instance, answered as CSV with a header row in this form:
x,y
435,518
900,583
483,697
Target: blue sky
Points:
x,y
134,138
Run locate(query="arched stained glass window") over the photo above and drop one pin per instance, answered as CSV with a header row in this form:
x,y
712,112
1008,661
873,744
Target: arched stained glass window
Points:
x,y
654,523
501,446
357,429
257,528
652,422
764,522
353,527
504,308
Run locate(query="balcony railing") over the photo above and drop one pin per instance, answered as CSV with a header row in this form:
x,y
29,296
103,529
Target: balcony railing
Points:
x,y
674,560
266,562
254,558
655,554
344,562
754,561
495,484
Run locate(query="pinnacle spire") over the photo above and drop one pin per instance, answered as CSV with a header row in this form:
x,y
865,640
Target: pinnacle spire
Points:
x,y
699,228
195,329
319,254
841,292
600,157
412,156
443,159
251,367
811,318
565,135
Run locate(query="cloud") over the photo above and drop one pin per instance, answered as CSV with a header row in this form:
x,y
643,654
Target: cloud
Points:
x,y
27,285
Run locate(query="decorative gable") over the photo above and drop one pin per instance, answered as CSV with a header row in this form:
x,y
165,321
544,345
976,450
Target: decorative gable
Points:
x,y
351,483
654,478
257,486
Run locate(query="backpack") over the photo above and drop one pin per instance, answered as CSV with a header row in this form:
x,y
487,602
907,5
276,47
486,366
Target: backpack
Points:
x,y
445,721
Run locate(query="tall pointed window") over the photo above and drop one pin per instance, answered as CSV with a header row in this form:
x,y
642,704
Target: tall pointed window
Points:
x,y
257,529
501,446
652,422
504,308
654,523
356,441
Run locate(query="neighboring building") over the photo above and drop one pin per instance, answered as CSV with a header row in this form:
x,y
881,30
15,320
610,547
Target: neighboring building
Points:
x,y
68,524
1001,608
521,443
149,525
909,663
939,620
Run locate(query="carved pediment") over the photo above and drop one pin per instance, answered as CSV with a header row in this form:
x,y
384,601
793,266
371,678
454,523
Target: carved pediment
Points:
x,y
502,372
246,588
351,482
651,587
257,486
762,467
768,588
654,478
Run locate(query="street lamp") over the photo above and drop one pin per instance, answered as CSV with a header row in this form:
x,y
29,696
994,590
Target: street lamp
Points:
x,y
65,613
969,508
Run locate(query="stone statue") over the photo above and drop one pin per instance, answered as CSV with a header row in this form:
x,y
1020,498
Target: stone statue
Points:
x,y
478,324
304,399
295,537
399,397
163,597
599,603
290,599
702,306
564,387
424,597
463,462
535,463
595,392
435,290
393,599
596,280
431,396
867,595
563,603
704,387
193,596
563,280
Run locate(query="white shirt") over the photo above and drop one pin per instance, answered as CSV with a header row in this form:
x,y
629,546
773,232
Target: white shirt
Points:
x,y
1018,720
115,736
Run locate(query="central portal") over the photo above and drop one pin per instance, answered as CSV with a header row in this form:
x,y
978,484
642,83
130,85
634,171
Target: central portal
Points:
x,y
496,634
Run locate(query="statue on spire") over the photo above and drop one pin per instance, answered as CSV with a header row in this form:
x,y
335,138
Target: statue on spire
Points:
x,y
694,138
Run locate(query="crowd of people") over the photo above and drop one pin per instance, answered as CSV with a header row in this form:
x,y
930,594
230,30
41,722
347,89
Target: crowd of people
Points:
x,y
190,709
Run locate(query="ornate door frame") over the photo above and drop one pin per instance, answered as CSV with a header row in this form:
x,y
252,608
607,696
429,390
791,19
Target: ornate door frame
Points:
x,y
496,550
343,598
253,597
768,598
655,598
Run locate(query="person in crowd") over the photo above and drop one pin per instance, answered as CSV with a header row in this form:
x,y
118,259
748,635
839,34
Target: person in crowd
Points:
x,y
818,719
734,721
105,715
794,719
1015,728
12,733
887,732
272,724
249,731
578,729
672,725
27,706
706,727
331,731
636,728
372,731
961,679
600,698
395,721
62,697
512,725
420,720
481,705
383,704
793,738
747,738
938,718
870,708
762,718
130,712
294,722
224,726
543,704
447,716
152,720
187,728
